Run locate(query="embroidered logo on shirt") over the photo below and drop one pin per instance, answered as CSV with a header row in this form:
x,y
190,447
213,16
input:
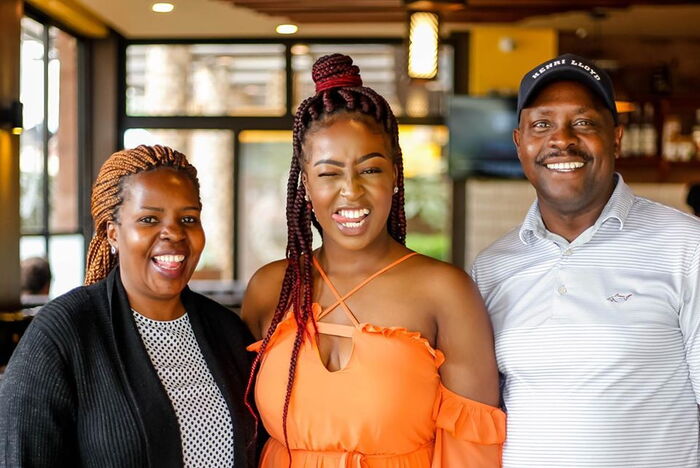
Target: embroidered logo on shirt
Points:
x,y
619,298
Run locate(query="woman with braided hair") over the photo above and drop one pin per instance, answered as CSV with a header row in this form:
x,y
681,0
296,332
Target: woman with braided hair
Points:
x,y
370,355
133,369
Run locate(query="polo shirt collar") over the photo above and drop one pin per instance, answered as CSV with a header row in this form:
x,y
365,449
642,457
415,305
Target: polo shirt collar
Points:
x,y
617,208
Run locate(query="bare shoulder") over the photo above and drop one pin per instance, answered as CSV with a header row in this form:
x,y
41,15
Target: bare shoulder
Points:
x,y
261,296
447,287
463,330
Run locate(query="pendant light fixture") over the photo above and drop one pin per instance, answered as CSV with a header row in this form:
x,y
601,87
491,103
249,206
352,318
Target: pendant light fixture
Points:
x,y
424,35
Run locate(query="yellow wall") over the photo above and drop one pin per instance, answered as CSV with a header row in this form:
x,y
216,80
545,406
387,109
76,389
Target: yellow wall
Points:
x,y
494,70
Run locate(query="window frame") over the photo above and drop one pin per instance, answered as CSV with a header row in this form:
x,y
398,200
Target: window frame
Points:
x,y
83,178
237,124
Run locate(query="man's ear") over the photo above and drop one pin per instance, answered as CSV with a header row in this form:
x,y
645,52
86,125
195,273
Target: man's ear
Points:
x,y
617,145
516,140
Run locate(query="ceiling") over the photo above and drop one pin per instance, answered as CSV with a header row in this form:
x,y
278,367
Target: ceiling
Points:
x,y
383,18
475,11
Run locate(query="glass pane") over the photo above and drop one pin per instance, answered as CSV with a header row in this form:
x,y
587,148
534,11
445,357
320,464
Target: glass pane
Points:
x,y
428,194
211,152
205,79
63,132
32,246
383,68
264,166
67,263
31,141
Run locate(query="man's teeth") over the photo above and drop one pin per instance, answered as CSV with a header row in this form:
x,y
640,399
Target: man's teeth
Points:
x,y
353,214
564,166
169,258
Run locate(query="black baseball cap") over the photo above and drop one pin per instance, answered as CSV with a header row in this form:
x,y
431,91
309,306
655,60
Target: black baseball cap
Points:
x,y
563,68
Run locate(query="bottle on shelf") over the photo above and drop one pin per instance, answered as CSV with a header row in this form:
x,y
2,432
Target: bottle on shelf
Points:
x,y
634,132
670,135
625,147
696,133
647,132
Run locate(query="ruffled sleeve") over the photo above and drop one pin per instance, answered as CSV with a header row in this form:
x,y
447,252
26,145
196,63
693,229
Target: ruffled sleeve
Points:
x,y
469,434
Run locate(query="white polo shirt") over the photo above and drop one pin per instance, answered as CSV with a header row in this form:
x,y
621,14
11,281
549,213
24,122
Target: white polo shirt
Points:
x,y
597,338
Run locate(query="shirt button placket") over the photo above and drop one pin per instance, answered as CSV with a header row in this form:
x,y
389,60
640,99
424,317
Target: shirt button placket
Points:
x,y
560,285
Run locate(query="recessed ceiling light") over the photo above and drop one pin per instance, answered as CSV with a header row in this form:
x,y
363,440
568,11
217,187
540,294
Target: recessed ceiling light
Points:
x,y
163,7
287,29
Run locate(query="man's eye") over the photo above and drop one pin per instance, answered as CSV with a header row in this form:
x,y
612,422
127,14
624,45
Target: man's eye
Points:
x,y
540,124
148,220
190,220
583,123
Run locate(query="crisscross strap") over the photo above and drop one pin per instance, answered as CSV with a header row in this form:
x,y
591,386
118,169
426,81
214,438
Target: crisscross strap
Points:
x,y
341,299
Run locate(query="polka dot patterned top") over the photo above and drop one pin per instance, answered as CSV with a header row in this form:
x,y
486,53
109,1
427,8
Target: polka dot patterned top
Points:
x,y
206,430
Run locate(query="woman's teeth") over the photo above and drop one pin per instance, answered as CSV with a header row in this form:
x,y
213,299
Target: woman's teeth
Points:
x,y
353,225
565,166
169,262
351,218
353,214
169,258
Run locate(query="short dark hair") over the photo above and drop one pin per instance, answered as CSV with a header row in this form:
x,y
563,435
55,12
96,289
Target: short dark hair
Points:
x,y
693,198
35,275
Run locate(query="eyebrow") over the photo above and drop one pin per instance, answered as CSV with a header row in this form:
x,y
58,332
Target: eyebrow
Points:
x,y
362,159
161,210
548,110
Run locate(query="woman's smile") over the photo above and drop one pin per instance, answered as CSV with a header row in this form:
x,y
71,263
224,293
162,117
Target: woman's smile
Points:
x,y
351,222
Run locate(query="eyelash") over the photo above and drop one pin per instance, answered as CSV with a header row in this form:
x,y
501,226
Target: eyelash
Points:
x,y
153,220
542,125
370,170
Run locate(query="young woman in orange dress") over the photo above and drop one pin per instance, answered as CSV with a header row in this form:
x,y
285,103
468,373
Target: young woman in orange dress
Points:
x,y
370,355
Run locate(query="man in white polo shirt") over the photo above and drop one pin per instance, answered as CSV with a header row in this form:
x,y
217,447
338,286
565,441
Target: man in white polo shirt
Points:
x,y
595,298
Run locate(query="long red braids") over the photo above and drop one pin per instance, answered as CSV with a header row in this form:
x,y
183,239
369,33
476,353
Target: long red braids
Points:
x,y
338,90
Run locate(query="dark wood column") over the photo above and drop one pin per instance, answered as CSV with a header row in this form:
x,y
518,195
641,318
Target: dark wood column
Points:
x,y
10,17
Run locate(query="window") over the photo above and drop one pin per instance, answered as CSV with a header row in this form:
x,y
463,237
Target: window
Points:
x,y
383,69
49,196
210,100
205,79
428,189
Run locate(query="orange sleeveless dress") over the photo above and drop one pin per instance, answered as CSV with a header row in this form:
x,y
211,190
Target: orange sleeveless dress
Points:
x,y
385,409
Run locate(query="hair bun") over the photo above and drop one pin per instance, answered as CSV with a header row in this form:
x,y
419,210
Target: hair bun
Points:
x,y
335,71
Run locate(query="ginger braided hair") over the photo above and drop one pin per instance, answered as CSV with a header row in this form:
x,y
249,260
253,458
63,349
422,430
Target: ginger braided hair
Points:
x,y
107,197
339,91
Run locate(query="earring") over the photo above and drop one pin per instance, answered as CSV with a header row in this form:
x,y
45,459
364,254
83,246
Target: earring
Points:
x,y
396,189
113,250
306,197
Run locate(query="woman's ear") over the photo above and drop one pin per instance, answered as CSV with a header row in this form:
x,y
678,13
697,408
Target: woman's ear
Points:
x,y
112,234
305,181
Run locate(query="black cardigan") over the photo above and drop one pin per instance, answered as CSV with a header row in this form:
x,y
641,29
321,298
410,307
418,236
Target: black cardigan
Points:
x,y
80,389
